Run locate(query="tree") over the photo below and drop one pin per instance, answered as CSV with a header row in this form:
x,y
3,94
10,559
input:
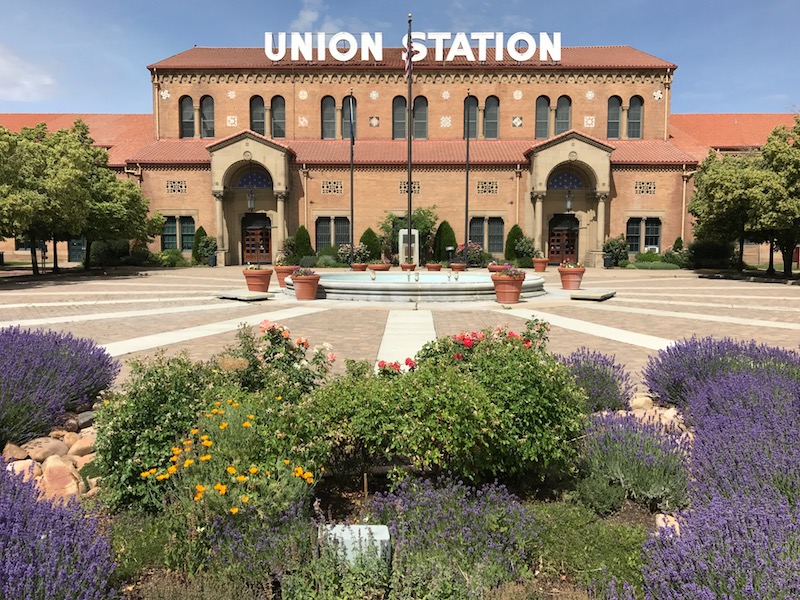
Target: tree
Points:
x,y
303,241
370,239
198,238
445,238
423,219
514,235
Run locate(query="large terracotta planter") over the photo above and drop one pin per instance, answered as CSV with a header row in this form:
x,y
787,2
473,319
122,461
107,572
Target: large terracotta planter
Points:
x,y
539,264
458,266
282,271
379,266
407,266
497,268
359,266
507,289
434,266
571,278
305,286
257,279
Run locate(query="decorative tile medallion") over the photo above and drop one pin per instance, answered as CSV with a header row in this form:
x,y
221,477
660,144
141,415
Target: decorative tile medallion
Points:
x,y
165,94
517,94
516,121
232,120
590,95
658,95
445,95
374,95
302,121
232,94
302,94
588,121
374,121
445,122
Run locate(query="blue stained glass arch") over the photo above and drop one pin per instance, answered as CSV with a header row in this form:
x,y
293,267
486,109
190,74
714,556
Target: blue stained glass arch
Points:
x,y
256,179
564,181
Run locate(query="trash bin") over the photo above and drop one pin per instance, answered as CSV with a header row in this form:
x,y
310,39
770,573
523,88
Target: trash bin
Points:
x,y
608,260
211,259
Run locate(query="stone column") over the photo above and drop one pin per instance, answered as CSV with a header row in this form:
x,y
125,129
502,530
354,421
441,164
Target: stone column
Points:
x,y
196,120
538,208
479,117
552,124
485,234
268,121
601,220
338,122
178,235
280,232
623,123
333,231
220,220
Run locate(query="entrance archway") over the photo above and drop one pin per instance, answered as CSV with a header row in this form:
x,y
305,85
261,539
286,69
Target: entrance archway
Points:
x,y
563,239
256,238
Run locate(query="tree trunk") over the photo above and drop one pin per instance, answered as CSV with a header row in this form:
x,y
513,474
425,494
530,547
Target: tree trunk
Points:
x,y
34,260
786,245
86,261
741,251
55,257
771,267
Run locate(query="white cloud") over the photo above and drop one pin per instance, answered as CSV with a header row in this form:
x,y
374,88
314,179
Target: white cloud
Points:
x,y
21,81
307,17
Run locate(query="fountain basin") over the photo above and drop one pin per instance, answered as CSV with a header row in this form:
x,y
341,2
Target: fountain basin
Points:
x,y
414,287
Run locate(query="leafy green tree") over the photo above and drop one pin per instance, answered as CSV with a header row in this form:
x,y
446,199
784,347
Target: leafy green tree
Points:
x,y
514,235
423,219
370,239
445,237
303,242
199,235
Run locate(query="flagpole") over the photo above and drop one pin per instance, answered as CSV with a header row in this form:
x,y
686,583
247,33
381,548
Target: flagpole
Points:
x,y
409,125
468,131
352,147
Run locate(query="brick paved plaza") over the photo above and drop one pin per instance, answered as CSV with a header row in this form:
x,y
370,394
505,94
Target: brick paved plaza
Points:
x,y
136,313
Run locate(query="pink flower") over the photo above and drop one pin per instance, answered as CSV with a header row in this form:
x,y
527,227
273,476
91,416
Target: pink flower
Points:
x,y
411,364
265,325
458,356
331,357
381,364
467,342
527,343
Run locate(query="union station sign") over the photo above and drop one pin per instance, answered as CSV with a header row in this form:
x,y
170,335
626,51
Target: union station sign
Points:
x,y
474,47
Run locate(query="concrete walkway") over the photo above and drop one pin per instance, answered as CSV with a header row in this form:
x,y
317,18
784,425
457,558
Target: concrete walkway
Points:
x,y
134,315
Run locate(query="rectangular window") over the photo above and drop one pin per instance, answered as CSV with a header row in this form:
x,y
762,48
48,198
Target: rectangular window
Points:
x,y
495,242
187,233
323,233
652,234
25,244
341,231
633,234
169,236
476,231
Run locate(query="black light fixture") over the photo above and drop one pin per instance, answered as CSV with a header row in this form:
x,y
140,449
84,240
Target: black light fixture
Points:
x,y
251,193
568,197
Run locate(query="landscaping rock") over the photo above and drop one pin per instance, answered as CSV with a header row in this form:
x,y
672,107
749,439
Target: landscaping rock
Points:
x,y
641,401
85,419
13,452
28,468
60,479
70,438
44,447
81,461
83,446
68,422
664,521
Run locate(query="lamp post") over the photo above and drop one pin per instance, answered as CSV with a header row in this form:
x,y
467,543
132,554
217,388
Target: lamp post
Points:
x,y
251,206
468,132
569,197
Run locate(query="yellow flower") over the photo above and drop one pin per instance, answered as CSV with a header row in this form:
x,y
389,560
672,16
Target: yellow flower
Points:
x,y
223,425
162,477
250,417
208,443
172,469
298,471
286,462
153,471
188,463
241,478
231,469
266,473
310,480
205,457
176,450
230,400
204,437
215,411
234,510
246,424
279,398
253,470
187,442
221,412
194,431
173,458
218,403
221,489
307,475
208,415
200,488
198,496
322,469
145,474
245,499
235,405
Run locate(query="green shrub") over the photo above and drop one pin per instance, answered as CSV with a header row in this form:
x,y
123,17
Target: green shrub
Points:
x,y
618,249
136,427
656,266
109,253
370,239
170,258
514,235
327,261
288,254
526,248
199,235
207,248
138,257
624,264
445,238
649,256
708,254
332,251
308,261
676,257
303,243
600,495
677,245
525,262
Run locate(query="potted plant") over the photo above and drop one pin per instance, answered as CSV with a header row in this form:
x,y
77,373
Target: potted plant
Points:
x,y
257,279
508,284
305,282
539,261
408,266
287,262
381,265
571,275
360,256
495,267
434,266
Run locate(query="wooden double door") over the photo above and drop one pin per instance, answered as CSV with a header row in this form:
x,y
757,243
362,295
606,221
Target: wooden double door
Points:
x,y
563,239
256,238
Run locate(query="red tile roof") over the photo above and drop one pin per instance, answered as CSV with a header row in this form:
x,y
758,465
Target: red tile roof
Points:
x,y
696,133
586,57
122,134
649,152
173,152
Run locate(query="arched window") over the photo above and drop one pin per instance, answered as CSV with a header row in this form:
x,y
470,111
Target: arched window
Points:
x,y
328,118
348,116
257,115
399,118
187,117
563,114
491,118
207,117
420,118
470,117
635,118
542,118
278,117
614,112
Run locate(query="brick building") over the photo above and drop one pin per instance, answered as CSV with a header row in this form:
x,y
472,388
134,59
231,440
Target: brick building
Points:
x,y
574,151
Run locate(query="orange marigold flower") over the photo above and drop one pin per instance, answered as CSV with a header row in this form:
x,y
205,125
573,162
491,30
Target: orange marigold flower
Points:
x,y
205,457
153,471
241,478
247,424
172,469
230,400
251,417
162,477
223,425
218,403
188,463
194,431
215,411
176,450
204,437
286,462
208,415
279,398
200,488
234,510
245,499
198,496
231,469
235,405
174,458
222,489
253,470
221,412
187,442
208,443
145,474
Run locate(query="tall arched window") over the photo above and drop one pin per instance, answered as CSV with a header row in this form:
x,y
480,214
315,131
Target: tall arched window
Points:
x,y
399,118
257,115
563,114
207,117
635,112
614,112
491,118
420,118
542,118
347,116
328,110
187,117
470,117
278,111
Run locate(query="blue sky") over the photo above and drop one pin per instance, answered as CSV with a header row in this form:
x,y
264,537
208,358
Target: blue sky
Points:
x,y
90,56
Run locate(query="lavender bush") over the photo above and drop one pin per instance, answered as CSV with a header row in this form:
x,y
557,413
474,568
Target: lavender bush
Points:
x,y
49,551
647,461
450,538
673,373
607,384
44,374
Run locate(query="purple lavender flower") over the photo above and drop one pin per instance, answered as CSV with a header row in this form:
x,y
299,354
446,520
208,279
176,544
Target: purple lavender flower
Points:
x,y
606,383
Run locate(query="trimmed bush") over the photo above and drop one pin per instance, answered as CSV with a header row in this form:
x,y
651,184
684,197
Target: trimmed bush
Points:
x,y
618,249
170,258
514,235
50,550
370,239
676,257
648,257
656,266
109,253
302,241
445,238
42,375
606,383
199,236
706,254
